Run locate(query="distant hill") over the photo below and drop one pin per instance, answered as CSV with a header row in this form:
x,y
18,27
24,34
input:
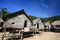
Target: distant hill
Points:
x,y
51,19
32,17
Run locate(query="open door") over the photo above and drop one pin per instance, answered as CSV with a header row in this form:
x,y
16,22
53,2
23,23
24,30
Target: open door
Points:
x,y
37,25
25,23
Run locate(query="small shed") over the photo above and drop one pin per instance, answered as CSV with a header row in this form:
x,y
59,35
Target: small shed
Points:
x,y
38,24
18,19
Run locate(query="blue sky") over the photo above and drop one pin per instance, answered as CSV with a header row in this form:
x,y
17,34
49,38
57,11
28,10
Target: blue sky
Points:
x,y
38,8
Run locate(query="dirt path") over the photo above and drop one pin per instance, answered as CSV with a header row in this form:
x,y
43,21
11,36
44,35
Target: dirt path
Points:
x,y
42,36
1,35
45,36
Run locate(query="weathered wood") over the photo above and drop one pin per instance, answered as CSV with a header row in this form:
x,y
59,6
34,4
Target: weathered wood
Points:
x,y
22,36
12,35
19,21
38,21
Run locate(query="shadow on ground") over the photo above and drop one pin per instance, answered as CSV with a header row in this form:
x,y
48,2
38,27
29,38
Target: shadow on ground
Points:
x,y
25,36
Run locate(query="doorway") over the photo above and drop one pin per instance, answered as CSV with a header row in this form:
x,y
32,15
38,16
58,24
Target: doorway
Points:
x,y
37,25
25,23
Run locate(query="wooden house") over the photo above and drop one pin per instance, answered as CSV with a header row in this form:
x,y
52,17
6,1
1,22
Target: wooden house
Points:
x,y
38,24
18,19
47,26
56,25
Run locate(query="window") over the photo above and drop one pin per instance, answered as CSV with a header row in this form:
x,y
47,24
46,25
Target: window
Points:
x,y
1,24
12,23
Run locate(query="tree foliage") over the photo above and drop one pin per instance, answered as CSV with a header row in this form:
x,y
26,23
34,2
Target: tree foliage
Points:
x,y
32,17
51,19
3,12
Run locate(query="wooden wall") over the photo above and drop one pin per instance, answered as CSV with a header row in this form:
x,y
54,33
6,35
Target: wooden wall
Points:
x,y
18,20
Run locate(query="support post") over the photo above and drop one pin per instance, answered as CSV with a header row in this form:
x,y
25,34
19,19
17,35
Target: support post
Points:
x,y
22,35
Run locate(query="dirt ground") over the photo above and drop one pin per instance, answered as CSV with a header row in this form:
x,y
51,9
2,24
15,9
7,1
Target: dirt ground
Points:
x,y
45,36
1,35
42,36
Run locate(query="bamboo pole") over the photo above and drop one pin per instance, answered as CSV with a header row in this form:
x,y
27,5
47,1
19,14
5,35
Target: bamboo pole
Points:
x,y
22,35
4,30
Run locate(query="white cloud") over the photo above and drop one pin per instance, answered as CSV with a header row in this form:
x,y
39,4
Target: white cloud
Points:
x,y
43,4
46,6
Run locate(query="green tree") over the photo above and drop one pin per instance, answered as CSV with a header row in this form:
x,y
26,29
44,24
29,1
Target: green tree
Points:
x,y
3,12
32,17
